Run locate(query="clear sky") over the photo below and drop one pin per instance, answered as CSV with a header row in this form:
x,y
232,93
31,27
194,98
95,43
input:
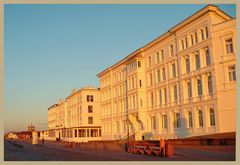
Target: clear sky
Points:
x,y
51,49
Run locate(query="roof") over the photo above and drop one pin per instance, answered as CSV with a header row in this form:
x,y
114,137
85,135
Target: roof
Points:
x,y
193,17
74,91
54,105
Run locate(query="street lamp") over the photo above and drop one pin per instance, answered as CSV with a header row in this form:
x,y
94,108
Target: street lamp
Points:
x,y
126,106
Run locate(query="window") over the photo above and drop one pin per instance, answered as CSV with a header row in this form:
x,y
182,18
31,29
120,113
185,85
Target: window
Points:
x,y
175,93
171,51
133,85
163,73
208,60
192,39
140,83
149,61
187,65
182,42
202,34
160,96
90,108
210,88
206,31
232,73
229,45
75,133
89,98
189,86
99,132
186,42
90,120
199,86
174,70
150,79
212,117
153,122
164,121
197,60
158,75
190,119
157,57
151,98
162,54
200,118
94,133
165,95
87,133
133,98
196,37
177,120
139,64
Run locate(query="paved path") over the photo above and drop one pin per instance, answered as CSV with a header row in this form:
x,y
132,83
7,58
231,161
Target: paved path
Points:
x,y
54,151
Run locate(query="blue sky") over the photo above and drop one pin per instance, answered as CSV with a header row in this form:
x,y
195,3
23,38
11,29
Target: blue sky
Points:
x,y
51,49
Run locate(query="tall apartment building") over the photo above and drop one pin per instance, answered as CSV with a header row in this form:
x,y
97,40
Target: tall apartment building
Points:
x,y
181,84
77,118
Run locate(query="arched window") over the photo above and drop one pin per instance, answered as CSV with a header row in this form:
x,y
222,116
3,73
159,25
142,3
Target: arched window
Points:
x,y
190,119
163,74
177,120
157,57
212,117
199,86
208,60
206,31
189,86
200,118
196,37
187,65
162,54
197,60
153,122
210,88
202,34
175,92
173,70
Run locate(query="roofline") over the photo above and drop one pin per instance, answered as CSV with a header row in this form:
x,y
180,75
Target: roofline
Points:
x,y
52,106
208,8
136,52
81,89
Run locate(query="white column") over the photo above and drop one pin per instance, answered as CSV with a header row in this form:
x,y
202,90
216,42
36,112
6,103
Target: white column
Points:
x,y
195,119
170,122
204,84
201,55
194,87
192,61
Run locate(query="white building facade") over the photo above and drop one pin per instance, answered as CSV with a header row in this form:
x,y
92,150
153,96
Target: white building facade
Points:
x,y
77,118
181,84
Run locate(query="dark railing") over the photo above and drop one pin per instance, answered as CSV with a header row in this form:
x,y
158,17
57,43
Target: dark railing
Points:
x,y
127,136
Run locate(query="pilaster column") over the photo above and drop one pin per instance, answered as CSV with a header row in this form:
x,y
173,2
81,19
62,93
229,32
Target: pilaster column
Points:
x,y
205,118
194,87
170,122
192,61
195,119
202,58
204,85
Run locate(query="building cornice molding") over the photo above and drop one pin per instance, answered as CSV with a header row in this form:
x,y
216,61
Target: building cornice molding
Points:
x,y
207,9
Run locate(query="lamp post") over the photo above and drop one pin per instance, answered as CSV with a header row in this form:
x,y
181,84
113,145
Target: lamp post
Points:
x,y
126,106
